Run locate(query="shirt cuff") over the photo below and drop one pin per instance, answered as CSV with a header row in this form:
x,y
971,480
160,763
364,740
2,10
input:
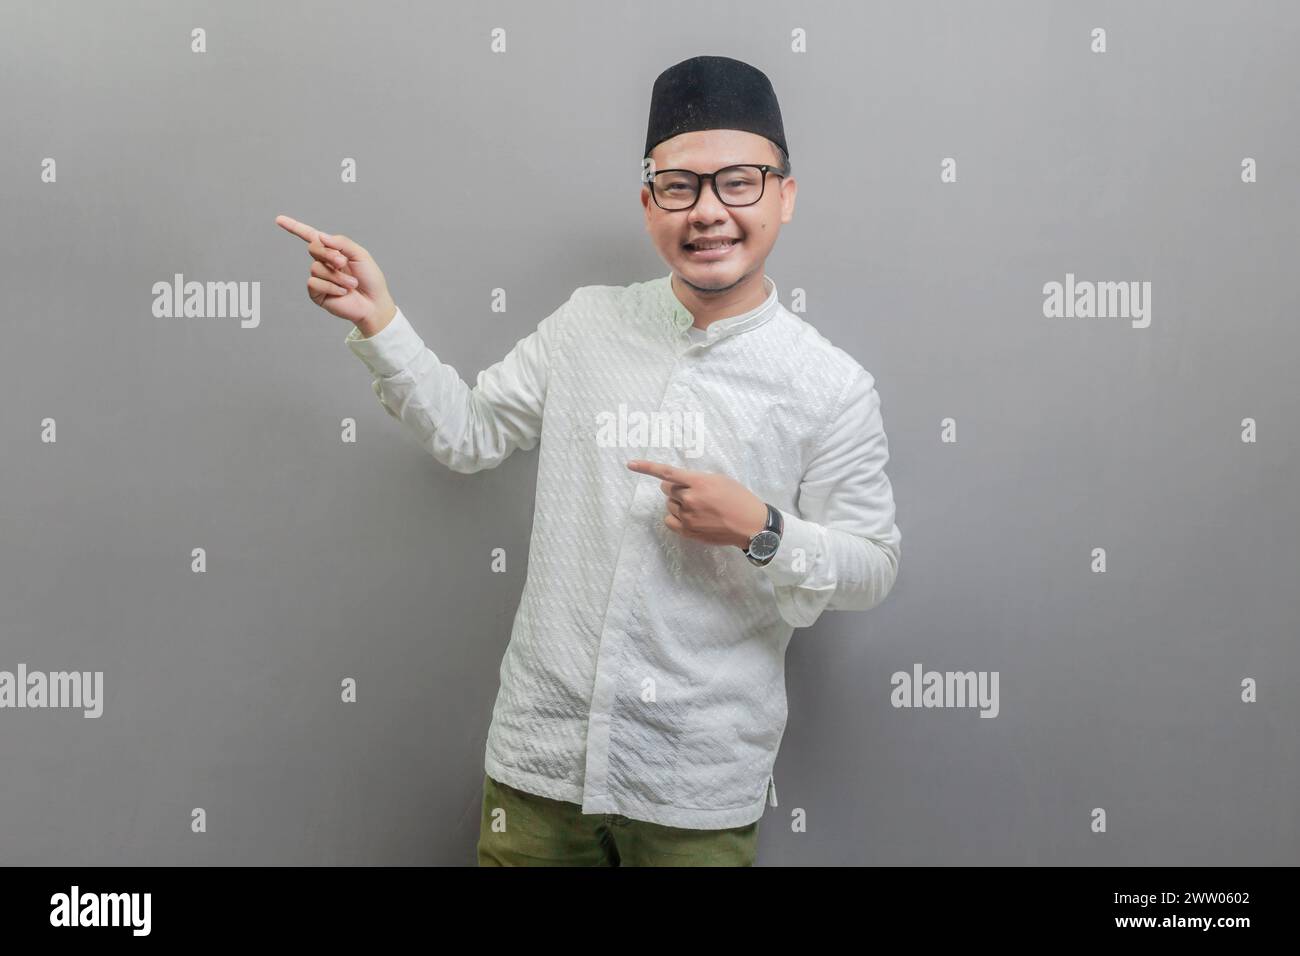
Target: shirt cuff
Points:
x,y
389,350
799,553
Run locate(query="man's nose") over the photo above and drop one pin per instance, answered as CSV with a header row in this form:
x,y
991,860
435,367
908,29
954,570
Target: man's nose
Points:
x,y
708,208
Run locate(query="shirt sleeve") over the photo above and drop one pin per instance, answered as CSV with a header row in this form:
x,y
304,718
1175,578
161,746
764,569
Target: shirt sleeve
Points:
x,y
841,551
466,429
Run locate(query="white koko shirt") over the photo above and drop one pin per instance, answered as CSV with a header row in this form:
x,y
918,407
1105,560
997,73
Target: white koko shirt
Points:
x,y
645,673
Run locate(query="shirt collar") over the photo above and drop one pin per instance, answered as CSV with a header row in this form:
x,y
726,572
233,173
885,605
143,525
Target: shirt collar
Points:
x,y
683,320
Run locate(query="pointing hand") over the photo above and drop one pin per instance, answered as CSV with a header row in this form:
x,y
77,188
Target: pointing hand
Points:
x,y
344,281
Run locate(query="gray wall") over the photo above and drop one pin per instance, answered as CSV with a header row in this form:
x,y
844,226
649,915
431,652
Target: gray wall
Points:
x,y
1119,690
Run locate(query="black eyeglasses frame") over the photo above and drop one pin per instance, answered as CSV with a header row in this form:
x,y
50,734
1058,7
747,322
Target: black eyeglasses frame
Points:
x,y
763,168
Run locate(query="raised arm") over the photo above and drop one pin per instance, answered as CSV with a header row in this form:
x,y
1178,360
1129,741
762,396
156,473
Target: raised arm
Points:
x,y
467,429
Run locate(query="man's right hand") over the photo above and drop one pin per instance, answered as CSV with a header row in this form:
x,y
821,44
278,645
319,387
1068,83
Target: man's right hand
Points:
x,y
344,280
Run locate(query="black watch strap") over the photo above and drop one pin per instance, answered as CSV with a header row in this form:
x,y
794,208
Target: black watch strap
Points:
x,y
774,521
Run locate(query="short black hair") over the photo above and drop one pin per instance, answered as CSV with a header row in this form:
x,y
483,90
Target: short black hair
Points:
x,y
784,166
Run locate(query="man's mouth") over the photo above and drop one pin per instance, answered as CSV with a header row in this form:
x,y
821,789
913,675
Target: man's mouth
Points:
x,y
710,249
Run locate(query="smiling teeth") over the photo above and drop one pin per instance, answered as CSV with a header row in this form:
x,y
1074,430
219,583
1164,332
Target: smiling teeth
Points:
x,y
717,244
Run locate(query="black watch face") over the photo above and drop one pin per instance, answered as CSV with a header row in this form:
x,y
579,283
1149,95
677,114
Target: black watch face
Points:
x,y
764,545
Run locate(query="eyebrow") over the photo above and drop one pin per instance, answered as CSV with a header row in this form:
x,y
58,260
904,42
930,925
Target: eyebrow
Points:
x,y
739,162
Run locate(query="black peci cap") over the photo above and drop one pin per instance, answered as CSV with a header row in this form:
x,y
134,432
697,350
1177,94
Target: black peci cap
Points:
x,y
713,92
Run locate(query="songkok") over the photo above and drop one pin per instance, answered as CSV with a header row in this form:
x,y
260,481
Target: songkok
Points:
x,y
713,92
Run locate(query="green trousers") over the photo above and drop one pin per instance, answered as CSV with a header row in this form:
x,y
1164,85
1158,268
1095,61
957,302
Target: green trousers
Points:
x,y
524,829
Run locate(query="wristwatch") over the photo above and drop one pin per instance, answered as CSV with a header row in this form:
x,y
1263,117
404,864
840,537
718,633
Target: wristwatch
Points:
x,y
763,545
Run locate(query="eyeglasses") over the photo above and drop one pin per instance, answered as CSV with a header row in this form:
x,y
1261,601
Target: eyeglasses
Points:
x,y
677,189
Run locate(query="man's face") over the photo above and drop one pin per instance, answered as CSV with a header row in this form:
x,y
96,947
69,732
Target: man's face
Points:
x,y
756,226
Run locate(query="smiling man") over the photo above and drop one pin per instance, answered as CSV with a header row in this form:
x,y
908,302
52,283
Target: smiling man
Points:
x,y
642,699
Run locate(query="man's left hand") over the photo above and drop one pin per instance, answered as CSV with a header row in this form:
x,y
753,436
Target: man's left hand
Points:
x,y
707,506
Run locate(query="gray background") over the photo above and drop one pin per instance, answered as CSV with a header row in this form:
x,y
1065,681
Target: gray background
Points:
x,y
328,560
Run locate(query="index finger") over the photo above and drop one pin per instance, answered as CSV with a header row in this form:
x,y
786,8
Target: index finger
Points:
x,y
351,250
678,476
299,229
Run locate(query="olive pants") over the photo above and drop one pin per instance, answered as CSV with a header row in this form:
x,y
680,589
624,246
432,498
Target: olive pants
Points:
x,y
539,831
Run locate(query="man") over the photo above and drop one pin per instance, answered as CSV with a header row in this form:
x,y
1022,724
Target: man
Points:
x,y
642,698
